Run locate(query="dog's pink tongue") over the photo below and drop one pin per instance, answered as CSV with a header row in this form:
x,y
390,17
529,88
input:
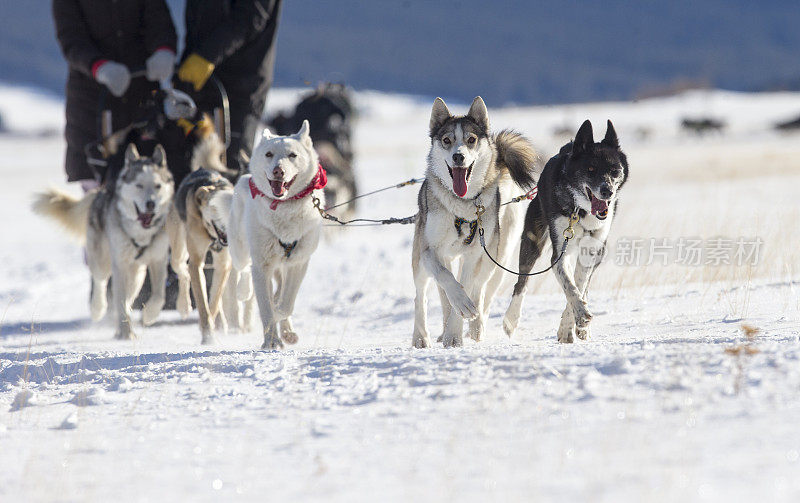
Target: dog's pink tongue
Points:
x,y
277,187
598,206
460,181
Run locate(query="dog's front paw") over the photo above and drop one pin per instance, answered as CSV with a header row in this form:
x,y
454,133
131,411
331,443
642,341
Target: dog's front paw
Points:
x,y
244,287
151,310
452,340
509,325
420,341
463,305
582,314
476,329
125,332
566,334
272,341
583,333
289,337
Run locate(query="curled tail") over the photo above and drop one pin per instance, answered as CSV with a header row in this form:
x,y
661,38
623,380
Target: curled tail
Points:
x,y
516,153
69,211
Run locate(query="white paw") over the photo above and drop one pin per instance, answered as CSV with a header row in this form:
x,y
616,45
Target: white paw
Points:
x,y
509,324
289,337
98,310
476,328
125,333
151,310
582,314
452,340
463,305
566,335
420,341
583,333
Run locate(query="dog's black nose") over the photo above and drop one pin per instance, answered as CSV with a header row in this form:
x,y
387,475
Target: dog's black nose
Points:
x,y
150,205
458,159
606,192
277,172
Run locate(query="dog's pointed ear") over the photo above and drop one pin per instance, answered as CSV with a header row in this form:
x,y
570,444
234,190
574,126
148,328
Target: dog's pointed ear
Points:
x,y
202,195
439,114
160,156
304,131
584,139
479,113
131,153
611,139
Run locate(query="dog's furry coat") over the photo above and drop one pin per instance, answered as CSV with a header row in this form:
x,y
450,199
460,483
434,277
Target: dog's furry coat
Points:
x,y
467,167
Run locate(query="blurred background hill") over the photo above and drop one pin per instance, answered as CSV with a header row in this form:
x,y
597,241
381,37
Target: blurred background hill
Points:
x,y
508,51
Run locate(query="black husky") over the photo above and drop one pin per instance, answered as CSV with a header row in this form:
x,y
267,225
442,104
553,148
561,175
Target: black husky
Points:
x,y
582,180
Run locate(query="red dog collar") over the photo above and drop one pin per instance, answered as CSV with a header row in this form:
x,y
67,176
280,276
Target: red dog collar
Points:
x,y
319,181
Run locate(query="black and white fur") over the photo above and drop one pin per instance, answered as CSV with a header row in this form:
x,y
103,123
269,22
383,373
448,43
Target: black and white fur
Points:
x,y
467,166
124,227
584,176
281,167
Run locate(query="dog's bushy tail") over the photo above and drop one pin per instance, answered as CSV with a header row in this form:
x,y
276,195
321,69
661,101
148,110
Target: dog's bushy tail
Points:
x,y
516,153
69,211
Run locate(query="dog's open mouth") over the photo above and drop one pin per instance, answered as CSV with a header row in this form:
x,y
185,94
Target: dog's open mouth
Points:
x,y
145,218
460,176
599,206
279,187
222,237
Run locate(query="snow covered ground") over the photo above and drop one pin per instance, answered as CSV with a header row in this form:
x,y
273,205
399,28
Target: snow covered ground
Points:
x,y
670,400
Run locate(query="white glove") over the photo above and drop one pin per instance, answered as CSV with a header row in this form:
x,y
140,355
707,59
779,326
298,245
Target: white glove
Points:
x,y
160,65
114,76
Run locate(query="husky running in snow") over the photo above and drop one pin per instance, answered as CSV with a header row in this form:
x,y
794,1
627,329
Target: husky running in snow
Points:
x,y
198,223
585,177
467,167
123,225
274,228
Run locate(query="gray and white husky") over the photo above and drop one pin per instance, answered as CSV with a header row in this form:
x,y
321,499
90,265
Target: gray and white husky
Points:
x,y
584,178
125,236
274,228
468,168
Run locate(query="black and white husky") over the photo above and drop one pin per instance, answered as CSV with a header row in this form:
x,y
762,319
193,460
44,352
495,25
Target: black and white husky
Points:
x,y
585,177
468,168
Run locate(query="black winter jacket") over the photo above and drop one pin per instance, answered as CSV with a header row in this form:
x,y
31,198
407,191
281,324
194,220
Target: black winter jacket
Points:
x,y
125,31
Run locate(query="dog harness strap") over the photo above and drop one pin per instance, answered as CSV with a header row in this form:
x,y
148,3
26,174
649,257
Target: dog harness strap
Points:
x,y
140,248
319,181
473,228
288,248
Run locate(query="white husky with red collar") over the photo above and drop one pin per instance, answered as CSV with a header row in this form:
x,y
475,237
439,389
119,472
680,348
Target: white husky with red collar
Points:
x,y
271,244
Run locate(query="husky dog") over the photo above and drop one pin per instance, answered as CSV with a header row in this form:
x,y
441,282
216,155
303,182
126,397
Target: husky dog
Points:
x,y
329,109
467,169
275,227
123,225
585,177
197,223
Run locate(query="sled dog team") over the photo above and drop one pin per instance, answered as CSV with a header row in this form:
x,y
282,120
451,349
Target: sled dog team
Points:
x,y
262,232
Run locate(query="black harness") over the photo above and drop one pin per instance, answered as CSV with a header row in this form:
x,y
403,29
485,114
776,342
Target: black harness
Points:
x,y
288,248
473,228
